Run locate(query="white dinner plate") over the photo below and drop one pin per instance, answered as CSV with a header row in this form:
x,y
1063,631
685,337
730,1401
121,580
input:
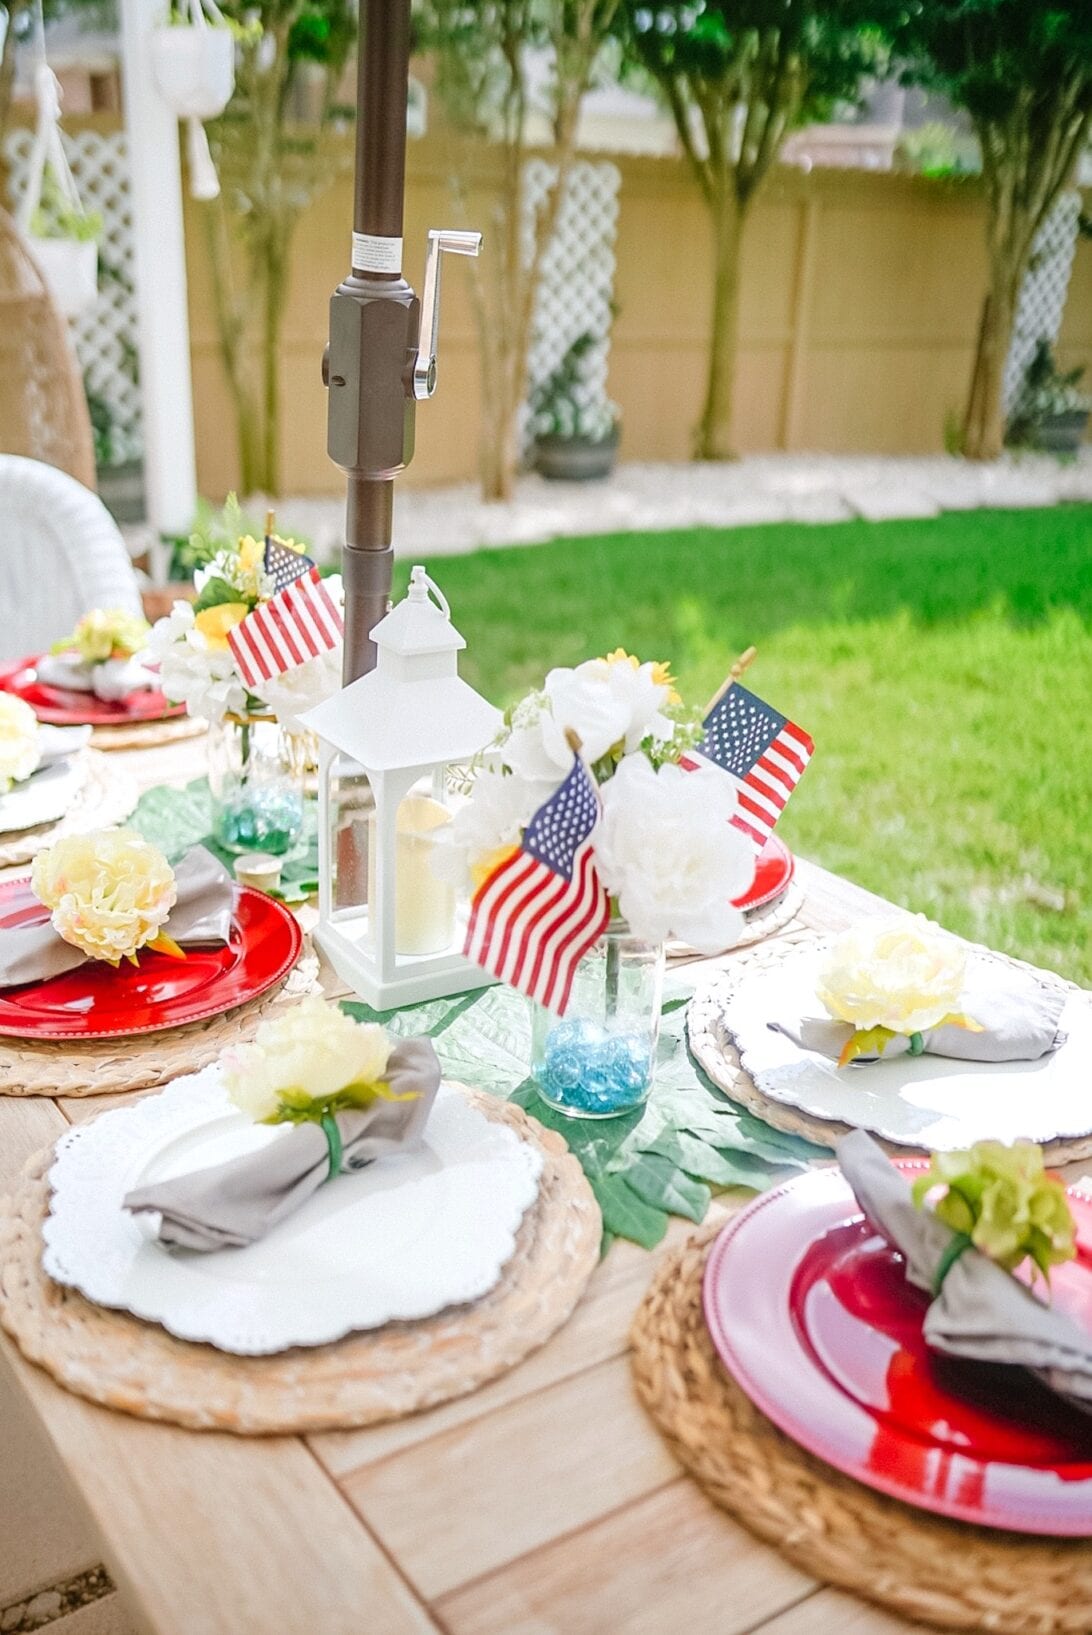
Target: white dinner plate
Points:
x,y
406,1237
930,1102
45,796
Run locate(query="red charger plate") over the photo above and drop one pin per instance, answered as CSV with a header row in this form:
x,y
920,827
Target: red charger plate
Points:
x,y
812,1316
96,1002
64,707
773,872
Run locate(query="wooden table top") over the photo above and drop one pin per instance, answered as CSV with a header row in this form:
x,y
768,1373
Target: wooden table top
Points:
x,y
544,1504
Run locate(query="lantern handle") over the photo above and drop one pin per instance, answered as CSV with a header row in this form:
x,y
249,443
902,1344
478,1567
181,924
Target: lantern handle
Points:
x,y
422,587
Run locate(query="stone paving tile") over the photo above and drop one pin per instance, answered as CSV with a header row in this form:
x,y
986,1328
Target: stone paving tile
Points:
x,y
760,488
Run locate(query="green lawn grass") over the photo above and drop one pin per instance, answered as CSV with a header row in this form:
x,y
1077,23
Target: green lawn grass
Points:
x,y
943,667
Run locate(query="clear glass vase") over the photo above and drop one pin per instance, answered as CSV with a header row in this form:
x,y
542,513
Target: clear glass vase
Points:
x,y
256,776
597,1060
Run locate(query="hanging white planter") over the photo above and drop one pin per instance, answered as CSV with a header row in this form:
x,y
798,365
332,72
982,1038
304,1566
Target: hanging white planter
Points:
x,y
70,269
69,264
194,68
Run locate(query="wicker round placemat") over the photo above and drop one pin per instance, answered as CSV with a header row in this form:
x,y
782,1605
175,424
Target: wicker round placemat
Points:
x,y
142,1061
107,795
148,734
759,923
923,1566
714,1047
121,1362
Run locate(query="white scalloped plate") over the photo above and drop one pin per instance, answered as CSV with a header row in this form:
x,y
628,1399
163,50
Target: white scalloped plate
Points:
x,y
930,1102
48,793
402,1239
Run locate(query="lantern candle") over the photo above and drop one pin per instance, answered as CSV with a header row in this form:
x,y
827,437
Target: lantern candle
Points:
x,y
424,905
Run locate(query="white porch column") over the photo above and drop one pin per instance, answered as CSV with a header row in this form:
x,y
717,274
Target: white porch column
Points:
x,y
155,173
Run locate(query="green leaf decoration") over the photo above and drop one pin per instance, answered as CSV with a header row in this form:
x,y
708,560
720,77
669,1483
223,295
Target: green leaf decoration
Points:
x,y
214,593
659,1181
177,819
625,1215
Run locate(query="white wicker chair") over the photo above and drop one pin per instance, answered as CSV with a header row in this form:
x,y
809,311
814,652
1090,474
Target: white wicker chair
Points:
x,y
60,555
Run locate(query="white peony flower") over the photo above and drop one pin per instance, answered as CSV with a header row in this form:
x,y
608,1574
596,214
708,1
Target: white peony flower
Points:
x,y
308,1054
19,747
667,850
487,825
193,670
904,975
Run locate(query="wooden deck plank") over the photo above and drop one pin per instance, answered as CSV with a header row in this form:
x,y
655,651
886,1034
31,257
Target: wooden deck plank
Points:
x,y
27,1123
670,1562
597,1331
829,1612
212,1534
464,1503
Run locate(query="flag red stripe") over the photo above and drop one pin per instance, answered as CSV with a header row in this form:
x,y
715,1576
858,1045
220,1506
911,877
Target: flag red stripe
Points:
x,y
284,629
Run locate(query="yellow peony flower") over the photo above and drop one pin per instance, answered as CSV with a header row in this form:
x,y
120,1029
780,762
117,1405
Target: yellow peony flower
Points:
x,y
109,892
310,1060
903,976
19,752
106,633
251,554
215,622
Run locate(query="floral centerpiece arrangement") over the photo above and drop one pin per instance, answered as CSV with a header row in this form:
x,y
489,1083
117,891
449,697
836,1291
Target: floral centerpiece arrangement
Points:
x,y
257,754
664,847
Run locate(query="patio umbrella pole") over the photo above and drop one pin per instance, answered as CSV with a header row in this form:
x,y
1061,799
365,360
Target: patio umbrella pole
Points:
x,y
382,353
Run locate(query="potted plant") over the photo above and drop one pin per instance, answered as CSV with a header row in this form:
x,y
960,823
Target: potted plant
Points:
x,y
1051,412
64,242
576,429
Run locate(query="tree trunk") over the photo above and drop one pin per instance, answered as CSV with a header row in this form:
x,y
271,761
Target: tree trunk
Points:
x,y
712,437
984,420
276,256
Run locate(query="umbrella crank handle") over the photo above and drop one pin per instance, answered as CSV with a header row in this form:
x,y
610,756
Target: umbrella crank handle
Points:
x,y
439,240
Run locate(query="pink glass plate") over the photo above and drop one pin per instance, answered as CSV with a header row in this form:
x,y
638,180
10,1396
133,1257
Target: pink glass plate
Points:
x,y
66,707
96,1002
812,1316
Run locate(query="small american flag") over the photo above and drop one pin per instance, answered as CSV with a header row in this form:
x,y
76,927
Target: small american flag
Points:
x,y
762,751
540,911
298,623
282,563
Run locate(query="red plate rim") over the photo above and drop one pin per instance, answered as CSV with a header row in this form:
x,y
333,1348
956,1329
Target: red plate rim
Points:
x,y
202,1010
91,717
789,1417
774,853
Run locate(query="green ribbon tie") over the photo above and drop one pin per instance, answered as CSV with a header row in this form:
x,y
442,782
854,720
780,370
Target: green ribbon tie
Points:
x,y
957,1243
917,1045
333,1141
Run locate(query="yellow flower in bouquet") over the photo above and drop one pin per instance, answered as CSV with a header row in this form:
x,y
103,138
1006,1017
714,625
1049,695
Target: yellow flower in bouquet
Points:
x,y
19,751
1003,1200
215,622
110,894
890,979
106,633
311,1061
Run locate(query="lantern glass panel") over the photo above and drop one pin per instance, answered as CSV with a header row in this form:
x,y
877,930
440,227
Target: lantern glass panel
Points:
x,y
351,819
424,896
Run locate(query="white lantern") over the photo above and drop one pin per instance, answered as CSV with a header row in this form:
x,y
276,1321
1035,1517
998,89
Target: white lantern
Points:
x,y
391,746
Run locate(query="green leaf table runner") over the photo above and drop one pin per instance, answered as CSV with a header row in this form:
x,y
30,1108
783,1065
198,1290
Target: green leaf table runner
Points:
x,y
176,819
662,1160
659,1161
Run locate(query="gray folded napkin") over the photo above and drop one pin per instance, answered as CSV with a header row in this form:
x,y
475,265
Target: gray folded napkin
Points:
x,y
236,1203
58,743
201,914
1019,1017
982,1312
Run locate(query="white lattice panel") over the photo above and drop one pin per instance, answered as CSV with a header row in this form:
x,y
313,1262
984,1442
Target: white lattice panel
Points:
x,y
1042,294
576,286
106,335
